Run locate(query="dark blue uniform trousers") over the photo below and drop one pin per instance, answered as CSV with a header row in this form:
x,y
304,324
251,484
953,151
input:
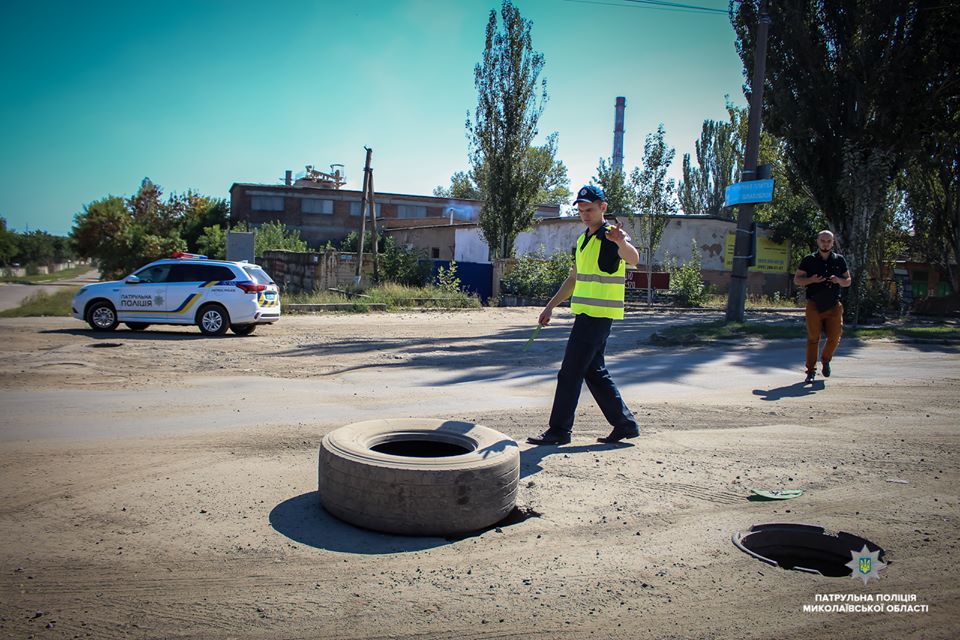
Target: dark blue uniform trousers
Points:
x,y
583,361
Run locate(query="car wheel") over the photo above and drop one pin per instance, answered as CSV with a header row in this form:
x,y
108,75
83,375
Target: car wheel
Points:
x,y
243,329
137,326
101,316
213,320
418,477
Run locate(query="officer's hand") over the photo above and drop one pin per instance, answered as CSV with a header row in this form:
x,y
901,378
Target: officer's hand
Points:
x,y
834,279
817,278
545,317
616,233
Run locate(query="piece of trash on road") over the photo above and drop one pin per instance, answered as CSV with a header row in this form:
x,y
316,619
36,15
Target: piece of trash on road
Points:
x,y
898,481
781,494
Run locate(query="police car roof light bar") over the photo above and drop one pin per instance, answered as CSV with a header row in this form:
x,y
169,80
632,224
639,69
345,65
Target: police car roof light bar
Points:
x,y
188,256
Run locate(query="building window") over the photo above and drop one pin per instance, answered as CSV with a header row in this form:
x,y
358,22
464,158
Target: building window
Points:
x,y
411,211
316,205
266,203
355,209
435,253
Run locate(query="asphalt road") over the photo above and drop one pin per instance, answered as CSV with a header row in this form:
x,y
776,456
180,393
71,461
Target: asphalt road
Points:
x,y
12,295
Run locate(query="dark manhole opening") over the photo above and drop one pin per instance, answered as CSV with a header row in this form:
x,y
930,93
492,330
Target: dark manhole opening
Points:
x,y
804,547
101,345
420,448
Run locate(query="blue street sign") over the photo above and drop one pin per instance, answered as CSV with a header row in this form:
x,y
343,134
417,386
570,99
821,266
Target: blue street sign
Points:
x,y
750,191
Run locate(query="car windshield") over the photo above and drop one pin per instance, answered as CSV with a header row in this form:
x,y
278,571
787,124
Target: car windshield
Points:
x,y
258,275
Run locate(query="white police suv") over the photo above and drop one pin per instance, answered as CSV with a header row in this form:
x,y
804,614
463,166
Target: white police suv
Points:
x,y
184,289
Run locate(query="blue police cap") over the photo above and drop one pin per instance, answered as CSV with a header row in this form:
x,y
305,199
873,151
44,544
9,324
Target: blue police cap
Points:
x,y
590,193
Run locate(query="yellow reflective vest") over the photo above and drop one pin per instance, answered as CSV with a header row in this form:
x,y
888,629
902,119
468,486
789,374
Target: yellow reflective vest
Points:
x,y
597,293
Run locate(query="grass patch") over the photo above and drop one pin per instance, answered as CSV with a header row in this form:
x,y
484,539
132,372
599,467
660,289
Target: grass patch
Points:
x,y
719,301
48,277
44,304
722,330
395,297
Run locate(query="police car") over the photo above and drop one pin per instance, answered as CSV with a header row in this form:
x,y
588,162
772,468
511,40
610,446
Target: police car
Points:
x,y
185,289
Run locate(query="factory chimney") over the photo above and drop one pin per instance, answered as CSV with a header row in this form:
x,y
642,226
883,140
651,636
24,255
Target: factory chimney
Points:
x,y
618,134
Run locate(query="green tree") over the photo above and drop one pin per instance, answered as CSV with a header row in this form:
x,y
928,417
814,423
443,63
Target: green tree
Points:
x,y
462,186
851,88
509,103
655,195
102,231
718,153
199,213
555,186
8,243
932,184
620,198
213,242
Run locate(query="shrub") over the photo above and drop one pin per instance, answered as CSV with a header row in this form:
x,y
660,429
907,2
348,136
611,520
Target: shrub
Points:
x,y
686,280
536,276
447,279
403,266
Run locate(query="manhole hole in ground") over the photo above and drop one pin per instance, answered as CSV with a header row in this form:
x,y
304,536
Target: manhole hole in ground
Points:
x,y
804,547
102,345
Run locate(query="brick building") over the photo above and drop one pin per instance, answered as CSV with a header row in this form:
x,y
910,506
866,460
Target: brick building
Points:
x,y
323,212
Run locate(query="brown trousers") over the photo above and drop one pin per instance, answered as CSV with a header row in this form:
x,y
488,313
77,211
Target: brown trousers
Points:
x,y
829,321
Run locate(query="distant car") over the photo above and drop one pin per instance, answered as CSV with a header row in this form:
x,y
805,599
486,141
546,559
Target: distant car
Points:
x,y
185,289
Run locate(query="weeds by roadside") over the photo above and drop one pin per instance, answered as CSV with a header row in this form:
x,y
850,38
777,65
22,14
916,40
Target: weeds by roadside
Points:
x,y
394,296
43,304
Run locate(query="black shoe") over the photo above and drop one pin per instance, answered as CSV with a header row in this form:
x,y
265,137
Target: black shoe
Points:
x,y
810,376
619,434
550,437
826,370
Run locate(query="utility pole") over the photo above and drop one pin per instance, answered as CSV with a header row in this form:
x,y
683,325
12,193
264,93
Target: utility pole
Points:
x,y
737,298
371,203
364,202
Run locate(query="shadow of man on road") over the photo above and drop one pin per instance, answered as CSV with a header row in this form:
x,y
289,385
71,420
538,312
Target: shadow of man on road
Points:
x,y
797,390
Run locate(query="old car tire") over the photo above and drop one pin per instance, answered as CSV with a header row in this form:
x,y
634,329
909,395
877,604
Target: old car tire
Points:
x,y
101,316
213,320
243,329
472,486
136,326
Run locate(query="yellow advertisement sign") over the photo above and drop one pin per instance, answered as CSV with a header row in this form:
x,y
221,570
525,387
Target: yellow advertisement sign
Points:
x,y
772,257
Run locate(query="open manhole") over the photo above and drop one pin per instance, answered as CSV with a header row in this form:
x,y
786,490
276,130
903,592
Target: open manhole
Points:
x,y
805,547
101,345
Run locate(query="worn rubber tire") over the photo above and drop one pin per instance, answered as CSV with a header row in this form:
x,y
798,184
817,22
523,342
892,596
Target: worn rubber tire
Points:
x,y
445,495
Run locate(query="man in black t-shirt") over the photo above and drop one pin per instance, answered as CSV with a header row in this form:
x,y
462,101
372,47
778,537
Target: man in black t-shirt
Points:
x,y
823,273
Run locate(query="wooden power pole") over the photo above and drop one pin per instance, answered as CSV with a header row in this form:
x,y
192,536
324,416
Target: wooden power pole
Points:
x,y
364,203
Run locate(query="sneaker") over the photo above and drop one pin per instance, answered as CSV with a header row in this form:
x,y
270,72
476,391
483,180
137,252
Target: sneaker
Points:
x,y
826,370
619,434
810,376
550,437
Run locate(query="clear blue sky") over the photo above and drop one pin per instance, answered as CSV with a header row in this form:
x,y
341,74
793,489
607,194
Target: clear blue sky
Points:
x,y
199,95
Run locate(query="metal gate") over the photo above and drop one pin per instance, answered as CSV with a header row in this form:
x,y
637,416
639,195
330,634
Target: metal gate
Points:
x,y
475,277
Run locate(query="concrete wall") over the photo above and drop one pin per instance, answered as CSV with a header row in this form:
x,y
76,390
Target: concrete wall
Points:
x,y
308,272
437,242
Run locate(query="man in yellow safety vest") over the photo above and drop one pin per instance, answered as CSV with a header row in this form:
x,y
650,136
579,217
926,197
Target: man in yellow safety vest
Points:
x,y
595,287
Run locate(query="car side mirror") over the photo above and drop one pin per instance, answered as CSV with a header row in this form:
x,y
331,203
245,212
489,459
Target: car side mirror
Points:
x,y
132,280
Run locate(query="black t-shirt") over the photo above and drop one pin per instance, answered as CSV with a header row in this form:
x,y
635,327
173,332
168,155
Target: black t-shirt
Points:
x,y
825,294
609,260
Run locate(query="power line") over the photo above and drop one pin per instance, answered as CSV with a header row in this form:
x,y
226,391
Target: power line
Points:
x,y
657,5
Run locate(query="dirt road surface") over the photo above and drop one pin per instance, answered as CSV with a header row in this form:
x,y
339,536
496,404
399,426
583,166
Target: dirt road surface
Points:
x,y
161,484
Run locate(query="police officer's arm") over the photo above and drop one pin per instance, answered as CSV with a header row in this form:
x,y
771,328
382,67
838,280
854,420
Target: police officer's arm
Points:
x,y
564,292
627,252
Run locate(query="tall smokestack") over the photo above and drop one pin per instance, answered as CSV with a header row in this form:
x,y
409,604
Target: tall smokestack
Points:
x,y
618,134
288,177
